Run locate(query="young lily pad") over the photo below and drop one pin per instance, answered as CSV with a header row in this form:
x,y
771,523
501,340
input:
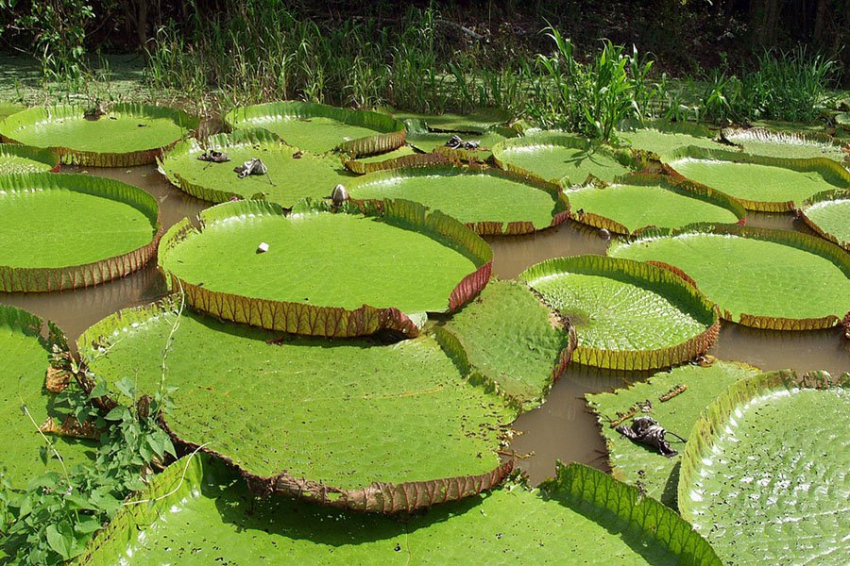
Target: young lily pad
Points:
x,y
639,465
507,340
758,141
764,472
198,512
128,134
489,201
561,158
67,231
15,158
664,138
292,175
761,183
628,315
320,128
25,404
758,277
347,423
666,201
348,273
828,214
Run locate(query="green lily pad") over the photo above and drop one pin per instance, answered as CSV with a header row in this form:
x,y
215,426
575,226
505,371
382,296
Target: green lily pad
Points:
x,y
15,158
197,512
26,357
348,273
508,340
666,138
292,174
764,473
477,122
560,158
383,161
488,201
843,120
639,465
68,231
628,315
828,214
429,142
347,423
666,201
9,108
795,145
128,134
763,184
781,126
758,277
320,128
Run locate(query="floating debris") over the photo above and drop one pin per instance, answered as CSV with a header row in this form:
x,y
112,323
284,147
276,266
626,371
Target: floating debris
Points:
x,y
679,389
95,112
646,430
213,156
254,166
262,248
339,195
456,142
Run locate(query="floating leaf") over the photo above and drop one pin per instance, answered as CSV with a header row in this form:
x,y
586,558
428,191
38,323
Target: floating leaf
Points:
x,y
80,231
15,158
664,138
758,141
128,134
292,175
320,128
477,122
346,423
638,465
628,315
401,157
764,472
488,201
583,514
828,214
507,340
348,273
758,277
565,159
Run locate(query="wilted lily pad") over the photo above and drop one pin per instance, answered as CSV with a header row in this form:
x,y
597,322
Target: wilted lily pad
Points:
x,y
509,340
666,201
764,473
128,134
693,388
320,128
292,175
761,183
489,201
346,423
197,512
666,138
828,214
348,273
67,231
758,141
758,277
560,158
26,358
15,158
628,315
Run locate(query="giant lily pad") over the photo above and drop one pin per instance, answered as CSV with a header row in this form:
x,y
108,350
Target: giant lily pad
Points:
x,y
436,141
828,214
560,158
292,175
764,472
489,201
9,108
128,134
628,315
758,277
507,340
761,183
347,423
68,231
639,465
347,273
320,128
401,157
25,404
666,201
666,138
758,141
477,122
15,158
197,512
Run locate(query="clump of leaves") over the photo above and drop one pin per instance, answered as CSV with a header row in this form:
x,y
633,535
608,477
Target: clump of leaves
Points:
x,y
54,518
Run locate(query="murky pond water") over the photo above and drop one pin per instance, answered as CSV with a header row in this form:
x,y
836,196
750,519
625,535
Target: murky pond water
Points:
x,y
561,429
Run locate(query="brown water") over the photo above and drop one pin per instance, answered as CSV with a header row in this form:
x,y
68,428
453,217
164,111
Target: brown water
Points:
x,y
561,429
